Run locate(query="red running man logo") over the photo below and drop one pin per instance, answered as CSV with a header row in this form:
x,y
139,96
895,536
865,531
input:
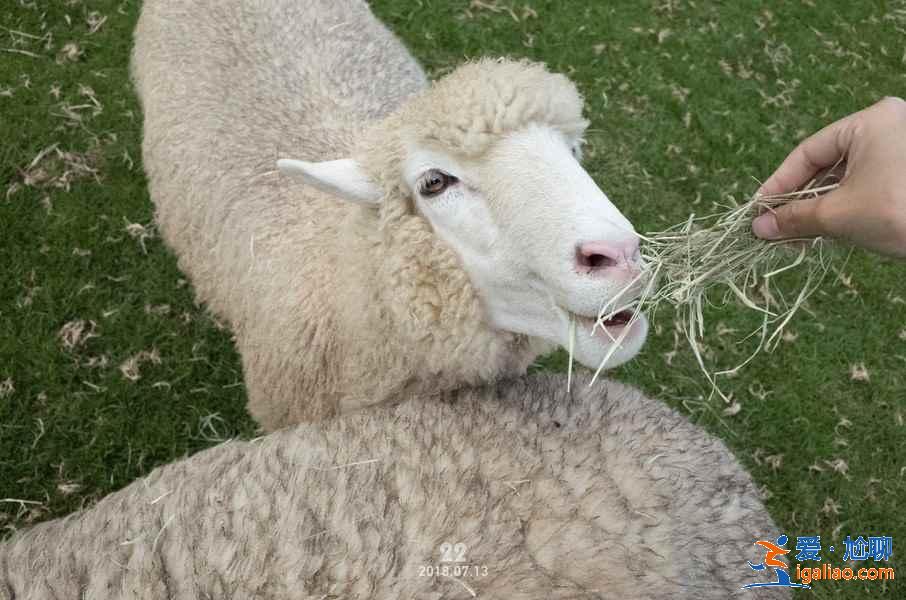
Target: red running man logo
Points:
x,y
772,551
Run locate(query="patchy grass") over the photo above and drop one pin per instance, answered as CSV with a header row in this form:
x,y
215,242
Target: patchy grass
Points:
x,y
108,368
111,368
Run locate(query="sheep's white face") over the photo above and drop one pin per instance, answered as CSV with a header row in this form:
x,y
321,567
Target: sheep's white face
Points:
x,y
540,241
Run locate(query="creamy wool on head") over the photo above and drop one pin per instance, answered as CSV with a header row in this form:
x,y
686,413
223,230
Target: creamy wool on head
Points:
x,y
365,234
542,493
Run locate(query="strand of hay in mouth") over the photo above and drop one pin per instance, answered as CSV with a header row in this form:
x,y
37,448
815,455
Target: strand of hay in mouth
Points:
x,y
572,349
714,259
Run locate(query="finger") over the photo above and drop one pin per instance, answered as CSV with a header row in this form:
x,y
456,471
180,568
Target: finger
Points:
x,y
831,175
819,151
824,216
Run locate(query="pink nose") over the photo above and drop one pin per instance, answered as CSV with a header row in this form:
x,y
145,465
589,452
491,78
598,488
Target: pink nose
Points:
x,y
600,255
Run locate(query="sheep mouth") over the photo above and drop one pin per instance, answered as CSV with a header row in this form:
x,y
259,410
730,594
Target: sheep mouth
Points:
x,y
617,321
607,341
624,317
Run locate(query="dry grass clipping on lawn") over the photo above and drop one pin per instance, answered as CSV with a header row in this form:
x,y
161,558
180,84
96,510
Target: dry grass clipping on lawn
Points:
x,y
714,259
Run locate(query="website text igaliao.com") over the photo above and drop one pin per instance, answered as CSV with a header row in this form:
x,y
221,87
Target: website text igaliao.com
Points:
x,y
807,575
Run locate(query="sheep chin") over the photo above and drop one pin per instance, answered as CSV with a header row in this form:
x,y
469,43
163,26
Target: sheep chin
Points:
x,y
594,345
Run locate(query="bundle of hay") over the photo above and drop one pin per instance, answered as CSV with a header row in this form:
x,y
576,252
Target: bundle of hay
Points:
x,y
716,259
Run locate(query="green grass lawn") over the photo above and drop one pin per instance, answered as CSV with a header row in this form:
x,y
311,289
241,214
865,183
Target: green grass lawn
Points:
x,y
108,368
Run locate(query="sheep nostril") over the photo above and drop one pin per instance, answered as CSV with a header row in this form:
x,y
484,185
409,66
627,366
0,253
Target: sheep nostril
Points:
x,y
596,261
601,255
597,256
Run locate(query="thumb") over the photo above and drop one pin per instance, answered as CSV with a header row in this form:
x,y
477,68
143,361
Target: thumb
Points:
x,y
801,218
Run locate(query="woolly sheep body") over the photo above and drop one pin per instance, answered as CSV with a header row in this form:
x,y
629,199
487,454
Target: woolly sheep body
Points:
x,y
602,493
326,300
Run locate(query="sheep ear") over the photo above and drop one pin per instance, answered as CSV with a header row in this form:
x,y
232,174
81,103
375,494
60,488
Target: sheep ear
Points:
x,y
343,178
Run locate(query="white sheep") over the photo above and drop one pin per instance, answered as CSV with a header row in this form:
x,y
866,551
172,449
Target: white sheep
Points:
x,y
518,491
438,235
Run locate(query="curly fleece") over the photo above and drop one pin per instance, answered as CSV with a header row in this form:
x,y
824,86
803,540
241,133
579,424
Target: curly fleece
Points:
x,y
468,110
333,306
602,493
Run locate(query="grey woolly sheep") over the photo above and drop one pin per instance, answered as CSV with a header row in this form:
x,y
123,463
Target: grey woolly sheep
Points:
x,y
439,236
518,491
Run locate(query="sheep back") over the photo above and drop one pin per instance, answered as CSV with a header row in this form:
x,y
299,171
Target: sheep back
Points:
x,y
599,493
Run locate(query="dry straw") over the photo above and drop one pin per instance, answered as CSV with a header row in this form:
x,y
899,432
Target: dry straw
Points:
x,y
714,260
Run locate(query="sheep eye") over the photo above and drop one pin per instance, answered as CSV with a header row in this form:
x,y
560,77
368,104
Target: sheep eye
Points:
x,y
434,182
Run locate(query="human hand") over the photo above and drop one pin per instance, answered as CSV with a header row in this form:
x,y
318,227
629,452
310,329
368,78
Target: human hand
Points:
x,y
869,207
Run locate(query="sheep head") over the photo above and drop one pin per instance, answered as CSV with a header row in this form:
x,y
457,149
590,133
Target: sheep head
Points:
x,y
489,156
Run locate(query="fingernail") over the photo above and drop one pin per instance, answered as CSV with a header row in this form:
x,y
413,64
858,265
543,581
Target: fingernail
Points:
x,y
766,227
